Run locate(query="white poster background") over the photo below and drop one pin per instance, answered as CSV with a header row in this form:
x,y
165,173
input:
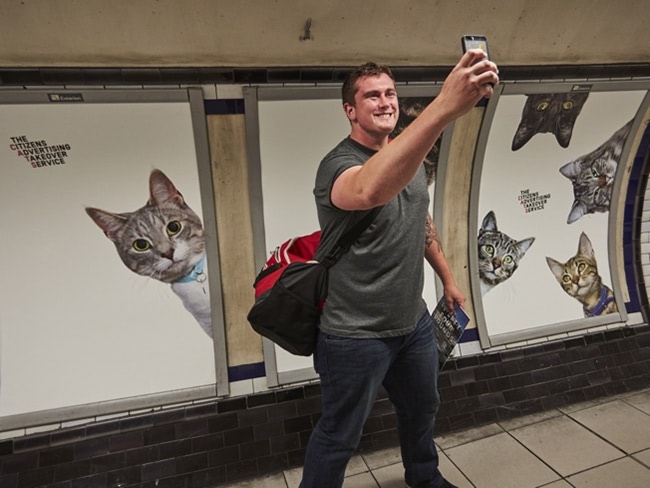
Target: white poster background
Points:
x,y
532,297
77,326
295,135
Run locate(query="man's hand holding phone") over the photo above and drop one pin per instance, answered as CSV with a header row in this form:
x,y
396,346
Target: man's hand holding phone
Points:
x,y
471,42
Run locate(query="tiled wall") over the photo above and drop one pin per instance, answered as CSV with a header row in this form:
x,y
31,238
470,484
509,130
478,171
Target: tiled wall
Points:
x,y
209,444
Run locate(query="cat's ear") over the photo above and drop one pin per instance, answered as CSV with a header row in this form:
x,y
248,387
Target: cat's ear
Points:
x,y
110,223
571,105
489,222
577,210
526,129
584,246
563,133
557,268
162,190
572,170
525,244
524,133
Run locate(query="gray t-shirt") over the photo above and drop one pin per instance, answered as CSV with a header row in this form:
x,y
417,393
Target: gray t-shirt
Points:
x,y
375,289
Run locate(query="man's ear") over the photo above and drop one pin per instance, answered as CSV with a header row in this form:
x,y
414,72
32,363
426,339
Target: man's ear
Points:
x,y
349,111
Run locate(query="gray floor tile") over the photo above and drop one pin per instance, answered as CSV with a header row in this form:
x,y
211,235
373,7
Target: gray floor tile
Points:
x,y
500,461
363,480
469,435
557,484
574,407
624,473
625,426
528,419
293,477
566,446
383,457
356,466
452,473
644,457
640,401
391,476
271,481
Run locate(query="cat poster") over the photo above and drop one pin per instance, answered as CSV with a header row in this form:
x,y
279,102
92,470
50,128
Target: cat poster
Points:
x,y
163,240
543,209
81,324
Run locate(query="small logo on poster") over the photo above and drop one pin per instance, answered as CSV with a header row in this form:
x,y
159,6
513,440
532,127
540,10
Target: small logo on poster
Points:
x,y
39,154
65,97
581,88
532,201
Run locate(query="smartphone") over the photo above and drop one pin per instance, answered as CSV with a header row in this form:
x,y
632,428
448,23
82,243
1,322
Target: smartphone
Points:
x,y
473,42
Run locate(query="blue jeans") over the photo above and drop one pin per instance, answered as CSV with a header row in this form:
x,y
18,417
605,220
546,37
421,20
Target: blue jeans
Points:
x,y
351,372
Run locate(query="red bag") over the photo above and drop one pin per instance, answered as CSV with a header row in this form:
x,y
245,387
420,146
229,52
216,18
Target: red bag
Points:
x,y
291,288
296,250
290,291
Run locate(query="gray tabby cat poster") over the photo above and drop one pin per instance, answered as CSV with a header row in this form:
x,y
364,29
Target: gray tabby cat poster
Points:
x,y
163,240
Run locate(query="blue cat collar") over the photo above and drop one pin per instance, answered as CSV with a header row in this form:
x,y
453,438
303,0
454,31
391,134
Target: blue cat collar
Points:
x,y
196,274
603,301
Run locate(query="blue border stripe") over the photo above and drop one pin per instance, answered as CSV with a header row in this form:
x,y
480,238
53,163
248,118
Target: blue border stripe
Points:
x,y
246,372
224,107
629,221
469,335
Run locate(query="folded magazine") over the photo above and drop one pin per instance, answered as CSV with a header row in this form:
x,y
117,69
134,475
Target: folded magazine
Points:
x,y
449,326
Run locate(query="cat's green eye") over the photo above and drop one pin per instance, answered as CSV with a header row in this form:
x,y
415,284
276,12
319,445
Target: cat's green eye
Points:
x,y
581,267
507,259
566,278
141,245
541,106
489,249
567,105
174,228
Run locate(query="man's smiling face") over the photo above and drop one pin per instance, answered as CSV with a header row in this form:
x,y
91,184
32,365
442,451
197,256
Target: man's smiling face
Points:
x,y
376,108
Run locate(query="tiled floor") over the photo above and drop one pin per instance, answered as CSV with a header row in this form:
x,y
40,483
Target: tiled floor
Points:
x,y
601,444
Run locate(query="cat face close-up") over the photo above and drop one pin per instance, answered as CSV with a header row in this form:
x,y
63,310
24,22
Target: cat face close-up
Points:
x,y
592,176
579,278
163,239
499,254
554,113
592,186
579,274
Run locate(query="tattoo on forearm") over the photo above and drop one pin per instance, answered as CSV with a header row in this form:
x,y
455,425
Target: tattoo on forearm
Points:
x,y
431,234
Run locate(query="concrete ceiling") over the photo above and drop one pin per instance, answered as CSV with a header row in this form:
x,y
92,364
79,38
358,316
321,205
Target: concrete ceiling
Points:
x,y
270,33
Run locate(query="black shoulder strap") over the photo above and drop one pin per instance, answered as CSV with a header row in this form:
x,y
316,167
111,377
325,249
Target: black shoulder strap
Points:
x,y
345,242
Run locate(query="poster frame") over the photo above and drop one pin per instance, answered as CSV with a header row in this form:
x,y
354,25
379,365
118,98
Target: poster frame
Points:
x,y
488,339
193,96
